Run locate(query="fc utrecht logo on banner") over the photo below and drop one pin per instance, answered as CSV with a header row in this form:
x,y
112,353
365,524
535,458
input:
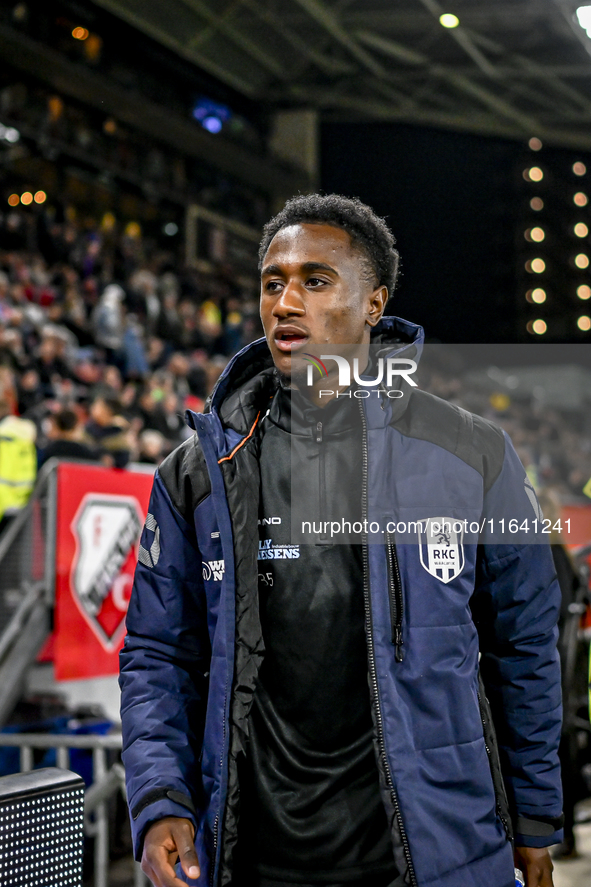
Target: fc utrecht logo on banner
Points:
x,y
107,530
440,547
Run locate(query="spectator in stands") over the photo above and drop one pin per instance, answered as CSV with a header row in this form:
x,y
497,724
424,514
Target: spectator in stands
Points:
x,y
133,352
169,325
65,435
166,417
29,391
108,431
50,362
152,447
18,462
12,353
107,319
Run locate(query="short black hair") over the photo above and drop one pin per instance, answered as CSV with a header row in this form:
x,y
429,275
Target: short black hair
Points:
x,y
65,419
368,232
110,400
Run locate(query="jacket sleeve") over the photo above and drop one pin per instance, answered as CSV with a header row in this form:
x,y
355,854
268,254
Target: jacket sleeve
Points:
x,y
164,670
515,606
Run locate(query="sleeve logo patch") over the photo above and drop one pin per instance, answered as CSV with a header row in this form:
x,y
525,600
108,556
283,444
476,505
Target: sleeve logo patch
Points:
x,y
531,495
213,570
150,556
440,547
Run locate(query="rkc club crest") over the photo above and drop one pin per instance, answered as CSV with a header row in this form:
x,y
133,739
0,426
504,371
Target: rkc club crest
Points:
x,y
440,547
107,530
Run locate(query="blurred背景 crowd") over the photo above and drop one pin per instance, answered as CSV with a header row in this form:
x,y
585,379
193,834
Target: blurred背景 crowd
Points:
x,y
108,326
104,341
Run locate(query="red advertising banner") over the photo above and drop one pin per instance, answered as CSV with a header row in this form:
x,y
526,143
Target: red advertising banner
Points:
x,y
100,515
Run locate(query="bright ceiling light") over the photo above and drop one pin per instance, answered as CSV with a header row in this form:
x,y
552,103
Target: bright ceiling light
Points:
x,y
537,234
584,17
539,326
449,20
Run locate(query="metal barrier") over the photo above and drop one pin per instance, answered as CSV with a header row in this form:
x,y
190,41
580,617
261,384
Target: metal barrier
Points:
x,y
27,580
107,782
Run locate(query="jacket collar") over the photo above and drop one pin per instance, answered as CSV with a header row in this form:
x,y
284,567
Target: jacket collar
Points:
x,y
249,381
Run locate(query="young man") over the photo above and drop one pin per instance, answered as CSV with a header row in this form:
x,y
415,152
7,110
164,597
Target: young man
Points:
x,y
316,713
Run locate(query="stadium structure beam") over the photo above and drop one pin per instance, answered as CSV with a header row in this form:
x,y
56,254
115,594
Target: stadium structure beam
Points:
x,y
465,84
468,40
466,122
326,18
325,63
414,19
507,70
330,22
463,39
192,54
156,121
539,71
219,23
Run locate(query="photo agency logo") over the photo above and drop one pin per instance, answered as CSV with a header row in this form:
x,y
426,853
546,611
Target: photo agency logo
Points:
x,y
388,371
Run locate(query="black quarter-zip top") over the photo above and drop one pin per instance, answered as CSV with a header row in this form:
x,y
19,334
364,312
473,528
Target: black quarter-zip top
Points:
x,y
311,810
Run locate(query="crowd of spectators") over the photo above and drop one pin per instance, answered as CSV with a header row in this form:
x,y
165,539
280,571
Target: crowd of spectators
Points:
x,y
101,324
553,443
105,342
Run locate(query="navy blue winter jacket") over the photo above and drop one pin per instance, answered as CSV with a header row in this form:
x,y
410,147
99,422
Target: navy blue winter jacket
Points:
x,y
454,646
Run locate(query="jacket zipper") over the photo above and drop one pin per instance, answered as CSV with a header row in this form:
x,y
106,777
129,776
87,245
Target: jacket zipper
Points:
x,y
373,674
216,822
506,825
396,598
318,436
216,825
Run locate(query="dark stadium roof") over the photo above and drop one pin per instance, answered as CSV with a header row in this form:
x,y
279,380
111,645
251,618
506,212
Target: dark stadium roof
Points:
x,y
514,68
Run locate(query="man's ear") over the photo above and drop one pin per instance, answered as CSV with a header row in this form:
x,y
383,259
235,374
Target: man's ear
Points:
x,y
377,305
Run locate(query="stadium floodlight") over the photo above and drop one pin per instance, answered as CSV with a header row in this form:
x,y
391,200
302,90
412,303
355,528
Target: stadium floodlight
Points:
x,y
584,17
9,134
449,20
41,828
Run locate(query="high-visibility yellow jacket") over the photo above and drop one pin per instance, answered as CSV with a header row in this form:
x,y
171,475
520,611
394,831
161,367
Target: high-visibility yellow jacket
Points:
x,y
18,463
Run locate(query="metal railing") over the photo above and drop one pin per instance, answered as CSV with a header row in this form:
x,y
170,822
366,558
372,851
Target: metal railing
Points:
x,y
27,582
107,781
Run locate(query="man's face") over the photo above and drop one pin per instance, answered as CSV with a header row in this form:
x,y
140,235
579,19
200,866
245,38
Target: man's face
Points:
x,y
314,292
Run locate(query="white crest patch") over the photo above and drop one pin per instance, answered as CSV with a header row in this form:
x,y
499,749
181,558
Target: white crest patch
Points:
x,y
440,547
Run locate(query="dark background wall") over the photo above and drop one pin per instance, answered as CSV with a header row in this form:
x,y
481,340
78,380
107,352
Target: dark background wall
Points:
x,y
458,206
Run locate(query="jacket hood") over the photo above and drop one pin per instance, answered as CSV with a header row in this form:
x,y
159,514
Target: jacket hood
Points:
x,y
394,334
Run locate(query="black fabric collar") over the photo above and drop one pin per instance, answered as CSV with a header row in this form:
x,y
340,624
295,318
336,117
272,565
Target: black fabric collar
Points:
x,y
295,413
